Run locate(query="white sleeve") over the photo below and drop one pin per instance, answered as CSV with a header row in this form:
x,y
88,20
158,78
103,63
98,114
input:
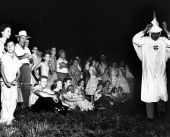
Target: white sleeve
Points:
x,y
28,51
138,39
138,42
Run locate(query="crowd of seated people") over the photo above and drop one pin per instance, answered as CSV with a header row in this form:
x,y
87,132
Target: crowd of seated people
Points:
x,y
95,86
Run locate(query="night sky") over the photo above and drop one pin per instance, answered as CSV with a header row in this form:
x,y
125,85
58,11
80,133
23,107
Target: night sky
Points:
x,y
84,27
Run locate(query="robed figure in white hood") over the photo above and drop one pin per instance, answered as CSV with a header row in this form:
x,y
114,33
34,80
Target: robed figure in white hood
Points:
x,y
153,51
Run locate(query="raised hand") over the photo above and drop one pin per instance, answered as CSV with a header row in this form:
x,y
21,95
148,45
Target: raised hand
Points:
x,y
164,25
148,27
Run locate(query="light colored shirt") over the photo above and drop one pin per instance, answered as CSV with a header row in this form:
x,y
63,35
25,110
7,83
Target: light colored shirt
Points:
x,y
19,51
11,66
61,70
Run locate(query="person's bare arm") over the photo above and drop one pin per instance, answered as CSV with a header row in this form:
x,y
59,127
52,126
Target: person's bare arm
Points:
x,y
44,94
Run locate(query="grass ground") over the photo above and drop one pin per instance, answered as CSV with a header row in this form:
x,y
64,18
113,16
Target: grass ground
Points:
x,y
121,120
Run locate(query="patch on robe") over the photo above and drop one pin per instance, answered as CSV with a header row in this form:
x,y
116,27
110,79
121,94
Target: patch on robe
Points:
x,y
155,47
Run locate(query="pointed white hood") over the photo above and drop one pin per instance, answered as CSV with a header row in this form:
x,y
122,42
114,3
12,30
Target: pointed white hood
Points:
x,y
155,28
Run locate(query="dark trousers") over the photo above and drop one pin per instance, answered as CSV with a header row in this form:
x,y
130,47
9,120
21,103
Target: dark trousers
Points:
x,y
48,104
155,108
24,80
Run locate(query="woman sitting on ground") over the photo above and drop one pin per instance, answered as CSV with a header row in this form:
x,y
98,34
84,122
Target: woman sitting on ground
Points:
x,y
56,87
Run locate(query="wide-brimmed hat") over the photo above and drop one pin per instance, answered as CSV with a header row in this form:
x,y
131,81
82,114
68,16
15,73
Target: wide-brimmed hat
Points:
x,y
23,33
155,28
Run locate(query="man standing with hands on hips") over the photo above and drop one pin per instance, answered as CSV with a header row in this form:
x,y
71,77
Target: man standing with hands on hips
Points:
x,y
153,51
23,53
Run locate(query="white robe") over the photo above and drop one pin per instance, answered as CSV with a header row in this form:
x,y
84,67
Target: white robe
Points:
x,y
153,55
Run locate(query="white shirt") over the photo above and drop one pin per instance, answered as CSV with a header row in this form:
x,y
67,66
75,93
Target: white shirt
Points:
x,y
11,66
21,51
61,70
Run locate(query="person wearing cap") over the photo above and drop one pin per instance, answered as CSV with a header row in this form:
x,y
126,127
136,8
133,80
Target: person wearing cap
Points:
x,y
62,66
23,53
10,75
153,51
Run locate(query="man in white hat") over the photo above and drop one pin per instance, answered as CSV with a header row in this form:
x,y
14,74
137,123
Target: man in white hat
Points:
x,y
153,51
23,53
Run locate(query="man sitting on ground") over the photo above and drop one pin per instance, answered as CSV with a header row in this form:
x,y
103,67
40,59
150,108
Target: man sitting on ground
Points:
x,y
45,99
